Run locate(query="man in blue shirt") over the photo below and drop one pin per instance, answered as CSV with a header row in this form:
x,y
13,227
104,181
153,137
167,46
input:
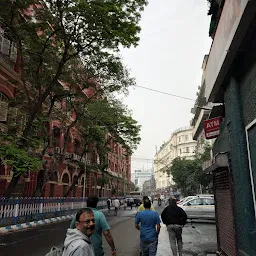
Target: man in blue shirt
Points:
x,y
101,226
149,229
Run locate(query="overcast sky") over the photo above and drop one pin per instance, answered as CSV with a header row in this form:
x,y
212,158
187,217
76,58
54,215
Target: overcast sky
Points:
x,y
174,40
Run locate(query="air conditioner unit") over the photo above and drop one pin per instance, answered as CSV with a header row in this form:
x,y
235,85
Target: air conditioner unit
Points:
x,y
5,46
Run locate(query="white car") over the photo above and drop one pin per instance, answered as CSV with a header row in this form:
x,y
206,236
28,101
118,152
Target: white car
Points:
x,y
199,207
185,199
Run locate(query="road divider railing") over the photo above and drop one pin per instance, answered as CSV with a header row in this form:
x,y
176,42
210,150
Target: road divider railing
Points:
x,y
21,210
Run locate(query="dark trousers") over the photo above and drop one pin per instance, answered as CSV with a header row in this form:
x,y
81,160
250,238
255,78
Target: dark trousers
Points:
x,y
175,235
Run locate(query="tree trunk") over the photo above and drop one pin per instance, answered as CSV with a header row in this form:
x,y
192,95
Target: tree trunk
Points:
x,y
12,185
74,183
38,191
39,186
100,193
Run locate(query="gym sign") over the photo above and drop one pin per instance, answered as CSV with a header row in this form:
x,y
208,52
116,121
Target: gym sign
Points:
x,y
212,127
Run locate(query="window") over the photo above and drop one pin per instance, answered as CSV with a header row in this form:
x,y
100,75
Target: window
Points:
x,y
3,107
56,137
186,137
208,201
180,139
197,201
187,149
77,147
180,151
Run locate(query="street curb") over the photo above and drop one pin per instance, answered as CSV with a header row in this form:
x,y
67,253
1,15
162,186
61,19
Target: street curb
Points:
x,y
23,226
27,225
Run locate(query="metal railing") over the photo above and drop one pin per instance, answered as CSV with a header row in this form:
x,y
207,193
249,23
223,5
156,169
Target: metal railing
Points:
x,y
21,210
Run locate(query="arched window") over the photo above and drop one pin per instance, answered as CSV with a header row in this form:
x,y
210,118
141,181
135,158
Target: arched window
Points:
x,y
77,147
75,178
56,137
65,178
69,144
54,177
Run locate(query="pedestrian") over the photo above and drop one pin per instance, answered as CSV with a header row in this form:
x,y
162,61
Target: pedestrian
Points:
x,y
101,227
174,218
125,203
77,242
159,201
142,208
170,199
131,201
116,205
109,204
148,222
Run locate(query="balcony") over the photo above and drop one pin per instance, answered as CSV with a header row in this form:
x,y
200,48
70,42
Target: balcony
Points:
x,y
234,21
8,52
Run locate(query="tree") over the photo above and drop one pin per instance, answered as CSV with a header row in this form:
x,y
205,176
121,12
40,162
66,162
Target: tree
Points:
x,y
108,120
71,44
134,187
188,174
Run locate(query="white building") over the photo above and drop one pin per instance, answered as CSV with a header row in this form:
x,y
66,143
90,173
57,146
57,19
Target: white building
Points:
x,y
181,144
141,176
201,111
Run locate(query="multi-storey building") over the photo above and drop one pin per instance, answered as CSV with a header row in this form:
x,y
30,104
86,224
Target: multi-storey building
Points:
x,y
141,176
230,79
180,144
149,187
118,172
201,111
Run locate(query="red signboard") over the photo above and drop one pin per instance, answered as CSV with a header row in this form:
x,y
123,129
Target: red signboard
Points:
x,y
212,127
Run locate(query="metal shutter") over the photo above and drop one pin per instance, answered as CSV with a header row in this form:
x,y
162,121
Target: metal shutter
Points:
x,y
224,213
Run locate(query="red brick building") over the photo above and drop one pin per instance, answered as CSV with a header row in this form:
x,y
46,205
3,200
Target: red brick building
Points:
x,y
119,171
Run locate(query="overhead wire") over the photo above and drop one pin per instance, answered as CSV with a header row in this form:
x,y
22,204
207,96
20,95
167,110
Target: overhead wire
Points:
x,y
166,93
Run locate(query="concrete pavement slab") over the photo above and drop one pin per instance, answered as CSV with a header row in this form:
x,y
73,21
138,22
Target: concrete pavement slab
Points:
x,y
126,237
199,239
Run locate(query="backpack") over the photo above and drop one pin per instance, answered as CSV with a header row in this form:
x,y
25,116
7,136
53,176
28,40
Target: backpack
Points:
x,y
55,251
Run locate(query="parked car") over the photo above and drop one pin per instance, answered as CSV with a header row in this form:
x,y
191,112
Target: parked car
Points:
x,y
199,207
185,199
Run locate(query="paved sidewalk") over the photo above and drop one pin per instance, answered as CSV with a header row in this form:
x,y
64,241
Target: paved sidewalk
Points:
x,y
198,240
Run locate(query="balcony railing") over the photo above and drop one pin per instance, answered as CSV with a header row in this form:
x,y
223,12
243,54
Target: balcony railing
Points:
x,y
8,51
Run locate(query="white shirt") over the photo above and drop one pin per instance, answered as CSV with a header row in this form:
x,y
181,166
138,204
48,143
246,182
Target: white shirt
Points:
x,y
116,203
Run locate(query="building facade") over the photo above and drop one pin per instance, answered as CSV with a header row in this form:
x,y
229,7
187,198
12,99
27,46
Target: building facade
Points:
x,y
230,79
201,111
149,187
65,172
181,144
141,176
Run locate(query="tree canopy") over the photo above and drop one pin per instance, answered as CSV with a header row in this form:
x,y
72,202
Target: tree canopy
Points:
x,y
188,174
65,49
